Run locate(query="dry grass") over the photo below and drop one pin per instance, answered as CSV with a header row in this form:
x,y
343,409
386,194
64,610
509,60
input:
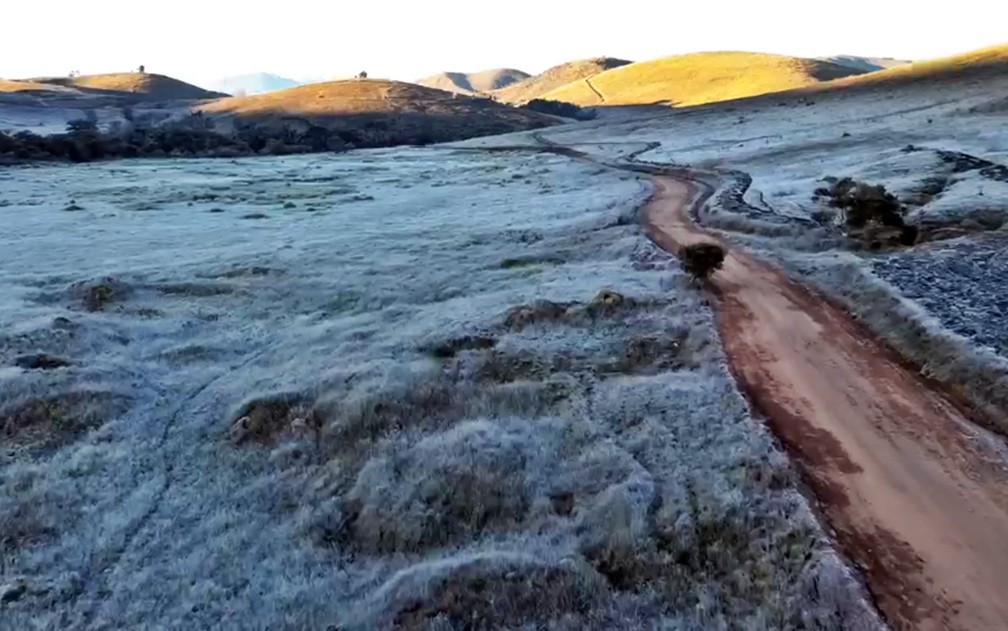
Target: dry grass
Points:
x,y
356,96
556,77
55,420
152,85
23,86
698,78
993,61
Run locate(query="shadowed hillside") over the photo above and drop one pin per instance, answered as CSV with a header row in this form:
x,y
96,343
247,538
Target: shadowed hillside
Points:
x,y
557,76
474,82
697,79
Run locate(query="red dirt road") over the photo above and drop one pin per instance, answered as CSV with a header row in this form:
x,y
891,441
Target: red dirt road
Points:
x,y
917,495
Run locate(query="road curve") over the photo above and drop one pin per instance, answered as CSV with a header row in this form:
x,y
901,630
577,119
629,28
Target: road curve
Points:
x,y
916,494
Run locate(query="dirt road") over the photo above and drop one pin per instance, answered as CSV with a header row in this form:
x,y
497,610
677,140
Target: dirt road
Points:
x,y
917,495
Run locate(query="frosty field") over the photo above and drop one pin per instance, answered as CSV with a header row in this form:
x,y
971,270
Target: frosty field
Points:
x,y
410,388
941,148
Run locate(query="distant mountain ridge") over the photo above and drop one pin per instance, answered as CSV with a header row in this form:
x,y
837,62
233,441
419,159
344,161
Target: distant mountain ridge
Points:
x,y
474,82
254,83
866,64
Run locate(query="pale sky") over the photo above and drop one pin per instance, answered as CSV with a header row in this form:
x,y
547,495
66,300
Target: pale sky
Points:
x,y
203,40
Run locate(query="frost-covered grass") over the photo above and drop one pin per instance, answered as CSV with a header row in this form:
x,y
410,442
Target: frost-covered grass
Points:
x,y
323,391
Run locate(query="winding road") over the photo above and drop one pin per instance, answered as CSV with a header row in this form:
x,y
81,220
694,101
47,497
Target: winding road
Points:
x,y
916,495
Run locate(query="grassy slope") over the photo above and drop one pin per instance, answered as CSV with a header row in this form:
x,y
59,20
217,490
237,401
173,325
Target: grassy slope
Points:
x,y
153,85
23,86
993,60
699,78
402,108
474,82
355,96
555,77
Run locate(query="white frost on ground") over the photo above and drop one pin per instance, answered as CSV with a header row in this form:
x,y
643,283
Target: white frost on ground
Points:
x,y
426,455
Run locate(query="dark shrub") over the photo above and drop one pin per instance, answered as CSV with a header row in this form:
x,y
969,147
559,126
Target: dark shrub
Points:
x,y
702,259
82,126
864,203
559,108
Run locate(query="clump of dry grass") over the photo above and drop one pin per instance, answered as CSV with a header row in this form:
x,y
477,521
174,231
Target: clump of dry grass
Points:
x,y
510,595
52,421
452,347
262,420
41,361
98,295
519,317
21,525
450,487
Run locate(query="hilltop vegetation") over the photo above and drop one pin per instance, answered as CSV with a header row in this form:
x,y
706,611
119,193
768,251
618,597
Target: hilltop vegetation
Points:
x,y
696,79
474,82
557,76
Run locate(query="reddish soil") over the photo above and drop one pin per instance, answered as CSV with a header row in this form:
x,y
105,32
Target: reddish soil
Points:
x,y
916,494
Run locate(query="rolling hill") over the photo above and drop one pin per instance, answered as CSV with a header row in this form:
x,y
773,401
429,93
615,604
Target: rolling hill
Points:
x,y
557,76
255,83
154,86
379,111
977,64
26,85
474,82
698,78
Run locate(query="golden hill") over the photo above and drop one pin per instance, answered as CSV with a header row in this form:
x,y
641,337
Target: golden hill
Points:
x,y
698,78
979,63
23,86
474,82
557,76
154,86
389,108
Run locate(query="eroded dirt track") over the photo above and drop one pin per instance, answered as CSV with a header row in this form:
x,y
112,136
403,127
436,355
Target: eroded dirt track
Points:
x,y
917,495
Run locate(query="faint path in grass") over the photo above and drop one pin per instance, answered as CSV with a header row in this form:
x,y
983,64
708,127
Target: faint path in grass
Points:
x,y
593,89
100,577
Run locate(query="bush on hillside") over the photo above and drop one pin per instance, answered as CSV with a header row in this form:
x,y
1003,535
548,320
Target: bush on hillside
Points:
x,y
559,108
866,205
863,203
